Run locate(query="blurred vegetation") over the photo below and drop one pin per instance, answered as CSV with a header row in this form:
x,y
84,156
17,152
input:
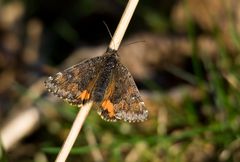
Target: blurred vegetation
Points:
x,y
187,70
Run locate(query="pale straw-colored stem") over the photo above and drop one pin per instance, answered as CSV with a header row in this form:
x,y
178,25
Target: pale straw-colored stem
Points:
x,y
76,127
123,24
114,44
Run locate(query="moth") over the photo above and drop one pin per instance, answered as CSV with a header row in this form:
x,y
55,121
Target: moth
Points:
x,y
105,81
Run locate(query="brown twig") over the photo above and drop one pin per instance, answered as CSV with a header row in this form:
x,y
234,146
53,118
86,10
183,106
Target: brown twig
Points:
x,y
92,142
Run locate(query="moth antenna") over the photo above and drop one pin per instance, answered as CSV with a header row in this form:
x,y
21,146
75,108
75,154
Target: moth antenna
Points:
x,y
127,44
142,41
109,32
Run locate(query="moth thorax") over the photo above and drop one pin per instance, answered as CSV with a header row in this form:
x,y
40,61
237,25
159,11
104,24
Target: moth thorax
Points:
x,y
111,61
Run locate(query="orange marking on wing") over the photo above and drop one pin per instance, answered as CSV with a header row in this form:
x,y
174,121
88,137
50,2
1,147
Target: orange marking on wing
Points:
x,y
107,105
87,96
84,95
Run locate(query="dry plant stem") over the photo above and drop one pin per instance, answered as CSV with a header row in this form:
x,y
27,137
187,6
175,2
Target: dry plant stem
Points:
x,y
123,24
114,44
91,139
76,127
20,126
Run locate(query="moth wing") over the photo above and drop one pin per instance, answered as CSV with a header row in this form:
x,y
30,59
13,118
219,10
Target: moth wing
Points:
x,y
125,102
73,84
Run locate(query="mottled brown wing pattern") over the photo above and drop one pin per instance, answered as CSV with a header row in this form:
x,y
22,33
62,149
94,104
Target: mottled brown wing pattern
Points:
x,y
126,99
106,108
71,84
106,82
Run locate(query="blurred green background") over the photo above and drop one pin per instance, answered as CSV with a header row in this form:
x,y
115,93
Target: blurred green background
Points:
x,y
184,56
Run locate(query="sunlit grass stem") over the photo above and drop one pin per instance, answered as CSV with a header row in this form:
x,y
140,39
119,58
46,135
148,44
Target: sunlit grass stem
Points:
x,y
82,115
